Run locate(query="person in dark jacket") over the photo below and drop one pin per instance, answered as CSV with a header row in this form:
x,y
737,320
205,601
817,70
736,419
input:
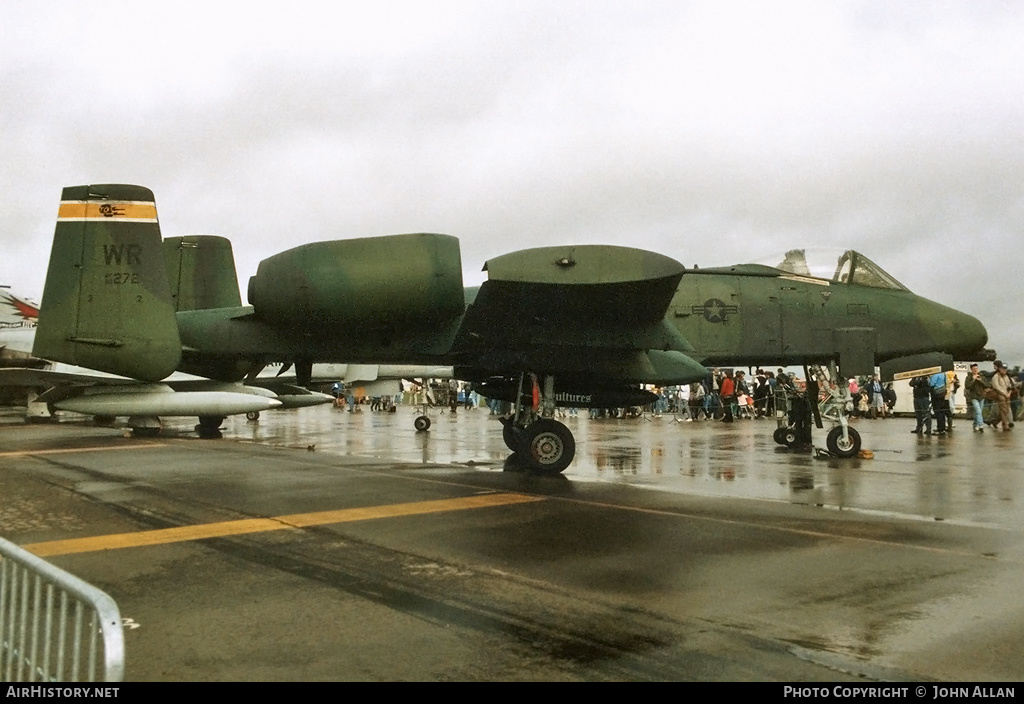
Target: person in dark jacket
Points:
x,y
922,404
974,393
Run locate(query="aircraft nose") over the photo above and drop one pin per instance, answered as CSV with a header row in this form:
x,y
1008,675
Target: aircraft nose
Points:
x,y
956,332
972,332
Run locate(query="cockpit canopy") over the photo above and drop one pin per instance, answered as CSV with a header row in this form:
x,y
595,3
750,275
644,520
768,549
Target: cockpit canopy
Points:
x,y
845,267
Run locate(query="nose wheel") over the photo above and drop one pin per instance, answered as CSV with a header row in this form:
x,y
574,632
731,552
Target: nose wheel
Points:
x,y
841,446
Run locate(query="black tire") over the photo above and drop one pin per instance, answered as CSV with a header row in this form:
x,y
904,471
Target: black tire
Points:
x,y
515,438
790,438
252,415
549,446
209,426
836,446
210,422
780,435
422,423
146,432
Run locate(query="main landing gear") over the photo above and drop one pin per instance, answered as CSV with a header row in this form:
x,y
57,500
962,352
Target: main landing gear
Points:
x,y
209,426
144,426
546,445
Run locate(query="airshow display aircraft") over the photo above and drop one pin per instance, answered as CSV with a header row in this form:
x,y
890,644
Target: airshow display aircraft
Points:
x,y
18,318
580,324
16,311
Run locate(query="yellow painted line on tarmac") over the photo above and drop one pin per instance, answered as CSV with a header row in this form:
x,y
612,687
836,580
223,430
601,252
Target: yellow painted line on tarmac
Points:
x,y
260,525
66,450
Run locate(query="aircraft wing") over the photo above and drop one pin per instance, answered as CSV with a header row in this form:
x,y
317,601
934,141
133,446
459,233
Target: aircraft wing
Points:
x,y
591,310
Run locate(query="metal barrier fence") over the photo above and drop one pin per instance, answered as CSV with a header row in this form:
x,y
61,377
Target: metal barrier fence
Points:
x,y
53,625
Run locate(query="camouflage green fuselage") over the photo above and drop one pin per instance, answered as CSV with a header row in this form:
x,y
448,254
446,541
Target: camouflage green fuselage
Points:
x,y
750,315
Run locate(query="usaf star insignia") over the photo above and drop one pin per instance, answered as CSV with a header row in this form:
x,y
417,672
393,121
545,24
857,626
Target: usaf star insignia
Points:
x,y
715,310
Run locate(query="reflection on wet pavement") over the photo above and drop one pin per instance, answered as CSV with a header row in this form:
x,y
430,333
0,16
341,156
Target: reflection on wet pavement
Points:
x,y
966,477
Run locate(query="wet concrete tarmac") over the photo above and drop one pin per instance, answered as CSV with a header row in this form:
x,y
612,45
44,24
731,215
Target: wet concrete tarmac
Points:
x,y
668,550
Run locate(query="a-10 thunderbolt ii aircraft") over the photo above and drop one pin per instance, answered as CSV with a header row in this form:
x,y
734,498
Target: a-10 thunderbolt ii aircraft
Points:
x,y
811,307
574,325
577,325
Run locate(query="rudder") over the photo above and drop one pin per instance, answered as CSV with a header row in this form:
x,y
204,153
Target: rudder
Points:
x,y
106,302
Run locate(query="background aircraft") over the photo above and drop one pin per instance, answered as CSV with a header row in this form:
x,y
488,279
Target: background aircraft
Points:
x,y
16,311
586,322
821,307
18,318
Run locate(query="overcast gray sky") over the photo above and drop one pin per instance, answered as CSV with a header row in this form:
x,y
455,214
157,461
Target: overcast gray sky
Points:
x,y
714,132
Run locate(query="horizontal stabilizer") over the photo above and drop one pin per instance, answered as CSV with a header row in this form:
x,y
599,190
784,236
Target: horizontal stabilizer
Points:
x,y
360,372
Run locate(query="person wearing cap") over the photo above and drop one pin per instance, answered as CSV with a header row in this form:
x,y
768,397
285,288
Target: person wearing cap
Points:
x,y
1002,384
975,388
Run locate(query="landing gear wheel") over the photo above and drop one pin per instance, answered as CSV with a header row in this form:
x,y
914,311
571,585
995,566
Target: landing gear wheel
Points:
x,y
421,424
780,435
145,432
549,446
209,426
790,437
843,448
252,415
515,438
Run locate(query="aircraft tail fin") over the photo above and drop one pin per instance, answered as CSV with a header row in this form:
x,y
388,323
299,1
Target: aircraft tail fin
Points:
x,y
201,272
106,302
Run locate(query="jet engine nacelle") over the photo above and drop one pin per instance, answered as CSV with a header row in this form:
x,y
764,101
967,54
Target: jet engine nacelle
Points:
x,y
360,281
